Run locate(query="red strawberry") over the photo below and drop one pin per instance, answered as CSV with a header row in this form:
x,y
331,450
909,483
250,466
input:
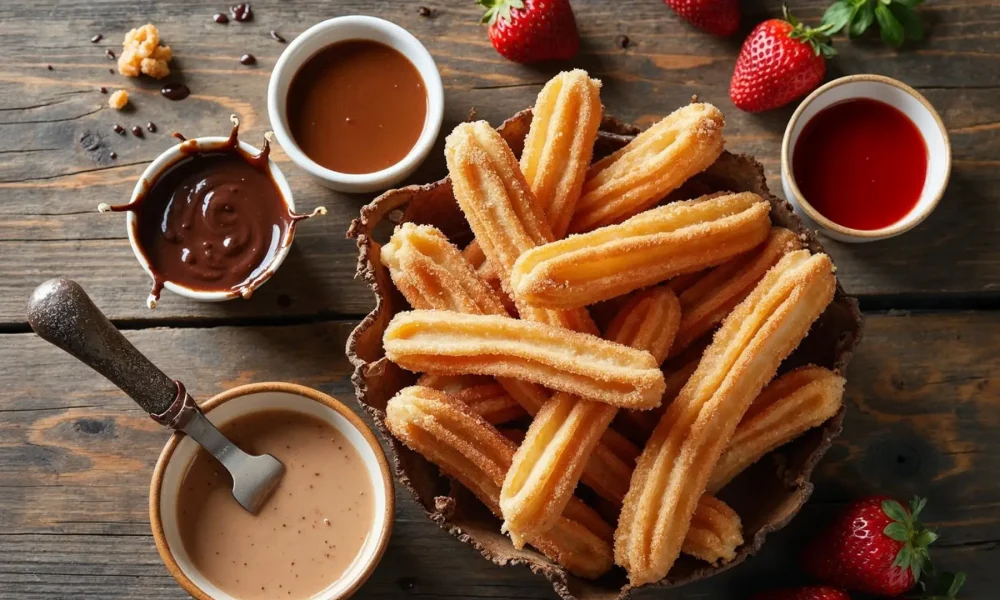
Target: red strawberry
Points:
x,y
530,30
876,547
812,592
718,17
780,61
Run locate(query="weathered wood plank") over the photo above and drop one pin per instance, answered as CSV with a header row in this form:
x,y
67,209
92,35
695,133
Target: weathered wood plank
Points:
x,y
76,457
56,132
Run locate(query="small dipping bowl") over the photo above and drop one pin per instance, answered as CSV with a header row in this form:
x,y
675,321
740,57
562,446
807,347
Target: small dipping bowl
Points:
x,y
905,99
342,29
158,168
247,400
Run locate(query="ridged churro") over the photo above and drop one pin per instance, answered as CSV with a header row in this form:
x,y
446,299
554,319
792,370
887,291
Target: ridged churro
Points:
x,y
452,343
790,405
444,281
681,237
502,212
560,143
673,470
640,423
716,532
559,442
658,161
707,300
466,447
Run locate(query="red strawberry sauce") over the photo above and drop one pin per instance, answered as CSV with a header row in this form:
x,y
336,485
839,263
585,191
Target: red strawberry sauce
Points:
x,y
861,163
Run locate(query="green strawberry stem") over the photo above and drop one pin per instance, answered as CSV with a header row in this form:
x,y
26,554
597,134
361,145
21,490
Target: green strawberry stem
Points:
x,y
818,38
499,9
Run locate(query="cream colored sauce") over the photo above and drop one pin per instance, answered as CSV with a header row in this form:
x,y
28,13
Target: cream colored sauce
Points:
x,y
309,532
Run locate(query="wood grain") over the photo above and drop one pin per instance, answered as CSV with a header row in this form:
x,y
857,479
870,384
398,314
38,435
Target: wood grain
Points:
x,y
57,135
76,458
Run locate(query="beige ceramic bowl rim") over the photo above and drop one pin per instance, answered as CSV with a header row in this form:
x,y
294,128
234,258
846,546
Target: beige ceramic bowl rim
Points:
x,y
155,519
815,215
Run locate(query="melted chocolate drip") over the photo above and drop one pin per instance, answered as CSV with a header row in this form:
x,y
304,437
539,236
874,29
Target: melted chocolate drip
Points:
x,y
220,18
241,12
175,91
248,59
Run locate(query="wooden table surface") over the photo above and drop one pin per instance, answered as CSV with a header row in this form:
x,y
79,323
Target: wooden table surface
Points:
x,y
76,455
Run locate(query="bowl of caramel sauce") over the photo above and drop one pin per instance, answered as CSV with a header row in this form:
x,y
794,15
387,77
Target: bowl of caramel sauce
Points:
x,y
321,533
357,102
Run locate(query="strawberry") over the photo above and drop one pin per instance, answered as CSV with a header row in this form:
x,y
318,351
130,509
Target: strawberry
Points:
x,y
812,592
531,30
718,17
876,547
780,61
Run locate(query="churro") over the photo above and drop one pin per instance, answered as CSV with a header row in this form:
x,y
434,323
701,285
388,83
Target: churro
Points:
x,y
502,212
610,465
466,447
681,237
673,470
559,442
790,405
639,424
452,343
655,163
716,532
560,143
707,301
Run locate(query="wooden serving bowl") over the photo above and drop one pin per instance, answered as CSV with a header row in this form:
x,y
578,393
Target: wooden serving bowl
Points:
x,y
766,496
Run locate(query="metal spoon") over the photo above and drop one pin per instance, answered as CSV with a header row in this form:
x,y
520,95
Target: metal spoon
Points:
x,y
62,314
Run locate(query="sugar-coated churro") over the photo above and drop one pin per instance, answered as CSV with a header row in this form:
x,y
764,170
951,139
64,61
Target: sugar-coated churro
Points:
x,y
559,442
707,301
502,212
640,423
790,405
448,342
655,163
673,470
678,238
716,532
466,447
560,143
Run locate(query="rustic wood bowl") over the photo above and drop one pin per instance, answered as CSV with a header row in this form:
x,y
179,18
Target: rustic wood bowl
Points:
x,y
776,487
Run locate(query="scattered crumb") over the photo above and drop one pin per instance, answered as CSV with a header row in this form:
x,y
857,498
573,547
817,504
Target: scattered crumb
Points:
x,y
143,54
118,100
624,41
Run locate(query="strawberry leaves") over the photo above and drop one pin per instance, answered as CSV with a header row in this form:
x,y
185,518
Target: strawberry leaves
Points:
x,y
897,19
499,9
906,528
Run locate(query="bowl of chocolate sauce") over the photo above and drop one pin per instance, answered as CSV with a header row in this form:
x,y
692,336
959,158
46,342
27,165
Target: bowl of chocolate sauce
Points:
x,y
357,102
321,533
211,219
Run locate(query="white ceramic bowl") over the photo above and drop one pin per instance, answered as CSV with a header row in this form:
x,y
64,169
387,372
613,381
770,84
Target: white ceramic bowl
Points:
x,y
320,36
911,104
180,450
155,169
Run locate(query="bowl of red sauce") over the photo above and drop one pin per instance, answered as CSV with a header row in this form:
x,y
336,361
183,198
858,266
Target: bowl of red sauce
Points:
x,y
865,158
357,102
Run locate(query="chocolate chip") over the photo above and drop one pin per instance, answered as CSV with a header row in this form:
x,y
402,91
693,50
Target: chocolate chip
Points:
x,y
104,90
96,38
113,155
624,41
119,129
241,12
248,59
137,131
277,37
423,11
49,67
220,18
151,127
111,54
112,71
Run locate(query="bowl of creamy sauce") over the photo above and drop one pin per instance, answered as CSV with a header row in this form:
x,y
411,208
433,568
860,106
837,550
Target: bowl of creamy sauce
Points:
x,y
319,536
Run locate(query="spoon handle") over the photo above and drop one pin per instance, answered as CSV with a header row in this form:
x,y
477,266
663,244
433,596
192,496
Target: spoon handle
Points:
x,y
62,314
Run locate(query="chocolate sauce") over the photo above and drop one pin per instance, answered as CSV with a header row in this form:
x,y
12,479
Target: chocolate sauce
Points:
x,y
119,129
175,91
113,154
151,127
220,18
213,220
277,37
111,54
178,136
241,12
248,59
137,131
423,11
96,38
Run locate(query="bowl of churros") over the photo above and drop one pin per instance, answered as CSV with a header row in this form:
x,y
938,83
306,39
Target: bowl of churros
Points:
x,y
608,354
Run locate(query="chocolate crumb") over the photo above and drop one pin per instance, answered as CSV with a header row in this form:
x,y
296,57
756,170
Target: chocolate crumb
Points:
x,y
119,129
241,12
112,71
151,127
423,11
113,154
473,115
624,41
96,38
104,90
220,18
277,37
49,67
137,131
111,54
248,59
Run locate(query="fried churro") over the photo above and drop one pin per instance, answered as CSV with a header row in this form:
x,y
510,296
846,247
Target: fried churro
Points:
x,y
673,470
640,423
790,405
655,163
559,442
560,143
445,282
716,532
464,446
678,238
707,301
502,212
452,343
